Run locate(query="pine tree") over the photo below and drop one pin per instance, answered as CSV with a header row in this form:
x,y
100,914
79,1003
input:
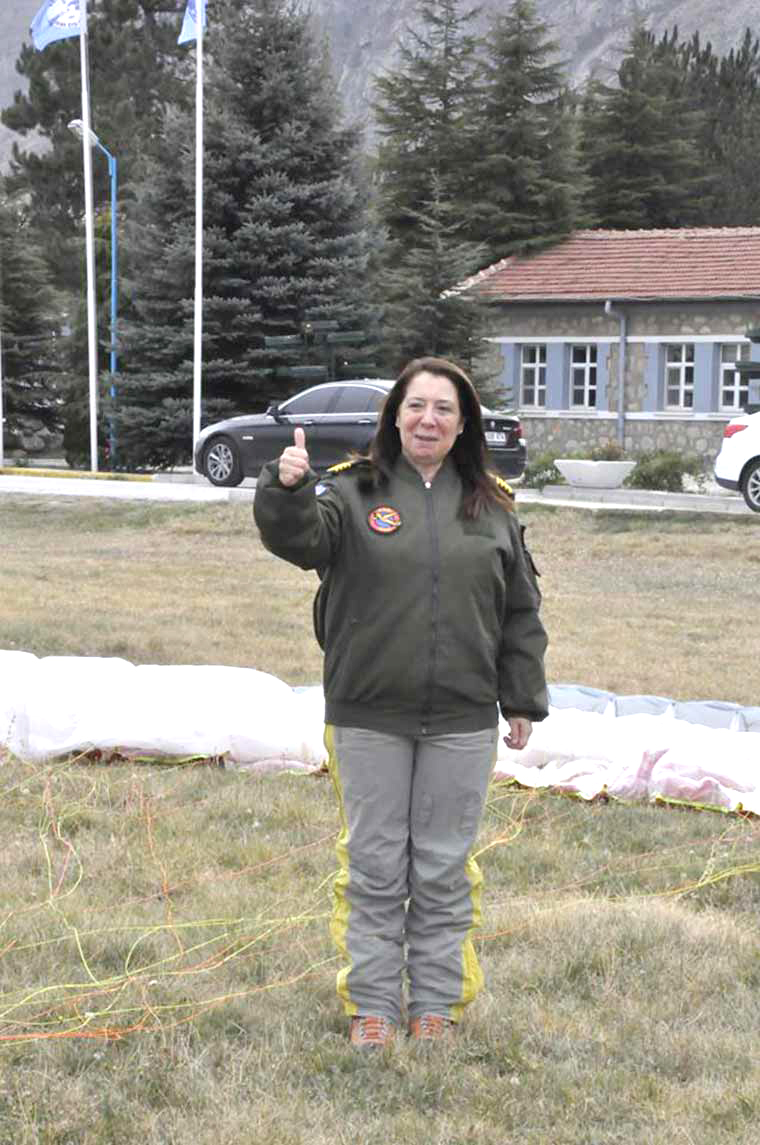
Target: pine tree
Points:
x,y
284,238
133,75
30,337
726,93
525,179
640,142
424,314
423,110
737,198
135,71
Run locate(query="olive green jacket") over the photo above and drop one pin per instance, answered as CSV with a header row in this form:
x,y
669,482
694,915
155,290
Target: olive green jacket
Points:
x,y
427,620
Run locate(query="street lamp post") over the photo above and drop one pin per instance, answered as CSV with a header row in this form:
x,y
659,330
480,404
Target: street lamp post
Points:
x,y
77,127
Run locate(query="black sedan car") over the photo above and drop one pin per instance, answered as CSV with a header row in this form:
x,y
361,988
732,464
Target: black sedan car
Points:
x,y
339,418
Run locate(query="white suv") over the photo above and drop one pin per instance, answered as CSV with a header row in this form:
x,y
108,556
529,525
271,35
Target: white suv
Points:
x,y
737,466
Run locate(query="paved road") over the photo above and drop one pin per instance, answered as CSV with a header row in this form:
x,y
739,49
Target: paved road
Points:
x,y
181,487
124,490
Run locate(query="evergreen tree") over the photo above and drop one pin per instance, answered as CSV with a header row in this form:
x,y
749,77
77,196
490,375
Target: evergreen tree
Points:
x,y
525,179
640,142
135,71
28,327
726,93
284,240
737,201
423,313
133,75
424,110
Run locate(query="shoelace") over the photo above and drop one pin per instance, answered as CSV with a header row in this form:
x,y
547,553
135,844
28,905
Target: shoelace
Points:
x,y
432,1026
374,1029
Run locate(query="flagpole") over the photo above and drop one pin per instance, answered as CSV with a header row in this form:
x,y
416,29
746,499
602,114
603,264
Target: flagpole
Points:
x,y
92,328
198,320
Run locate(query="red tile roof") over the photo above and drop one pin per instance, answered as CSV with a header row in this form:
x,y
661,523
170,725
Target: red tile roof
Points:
x,y
699,262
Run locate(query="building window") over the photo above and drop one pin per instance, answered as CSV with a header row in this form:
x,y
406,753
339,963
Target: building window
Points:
x,y
533,377
734,392
679,376
583,377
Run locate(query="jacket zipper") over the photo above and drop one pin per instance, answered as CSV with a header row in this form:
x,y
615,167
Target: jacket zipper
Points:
x,y
434,608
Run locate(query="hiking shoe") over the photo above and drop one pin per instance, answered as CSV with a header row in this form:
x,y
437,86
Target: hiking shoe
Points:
x,y
371,1031
430,1028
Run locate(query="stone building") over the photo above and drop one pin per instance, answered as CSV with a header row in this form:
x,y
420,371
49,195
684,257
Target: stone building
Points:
x,y
635,337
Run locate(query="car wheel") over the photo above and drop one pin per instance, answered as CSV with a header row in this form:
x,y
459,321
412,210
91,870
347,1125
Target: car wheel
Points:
x,y
751,485
221,462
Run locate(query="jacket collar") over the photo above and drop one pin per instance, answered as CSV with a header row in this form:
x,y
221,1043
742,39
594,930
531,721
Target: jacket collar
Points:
x,y
447,476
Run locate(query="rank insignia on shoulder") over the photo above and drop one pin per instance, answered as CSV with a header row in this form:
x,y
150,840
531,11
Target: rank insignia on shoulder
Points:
x,y
342,466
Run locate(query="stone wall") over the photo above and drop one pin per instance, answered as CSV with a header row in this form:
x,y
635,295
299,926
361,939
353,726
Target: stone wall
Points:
x,y
567,432
699,438
587,319
565,435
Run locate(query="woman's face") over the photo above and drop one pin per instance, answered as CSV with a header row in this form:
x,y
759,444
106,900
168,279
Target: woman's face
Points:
x,y
429,419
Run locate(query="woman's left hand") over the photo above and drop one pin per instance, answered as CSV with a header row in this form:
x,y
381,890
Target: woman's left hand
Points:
x,y
520,728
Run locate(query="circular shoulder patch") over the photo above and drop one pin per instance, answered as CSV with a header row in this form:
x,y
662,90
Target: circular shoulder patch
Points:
x,y
384,519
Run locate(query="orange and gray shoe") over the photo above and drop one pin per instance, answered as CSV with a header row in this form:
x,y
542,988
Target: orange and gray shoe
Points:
x,y
431,1028
371,1031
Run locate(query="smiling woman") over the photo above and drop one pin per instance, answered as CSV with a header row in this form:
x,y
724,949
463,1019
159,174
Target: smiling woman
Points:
x,y
429,421
428,615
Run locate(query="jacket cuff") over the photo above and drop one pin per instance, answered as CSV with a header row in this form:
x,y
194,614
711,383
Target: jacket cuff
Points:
x,y
535,716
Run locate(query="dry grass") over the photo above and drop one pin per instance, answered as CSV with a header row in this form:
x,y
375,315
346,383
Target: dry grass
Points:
x,y
166,975
652,604
633,602
153,584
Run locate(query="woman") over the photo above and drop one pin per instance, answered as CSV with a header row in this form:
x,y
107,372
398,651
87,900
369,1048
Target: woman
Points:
x,y
428,615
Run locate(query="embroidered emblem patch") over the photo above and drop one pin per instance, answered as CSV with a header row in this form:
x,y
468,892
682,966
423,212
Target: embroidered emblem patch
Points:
x,y
384,519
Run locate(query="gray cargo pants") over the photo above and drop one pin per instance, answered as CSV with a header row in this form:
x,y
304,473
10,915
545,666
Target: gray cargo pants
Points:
x,y
410,810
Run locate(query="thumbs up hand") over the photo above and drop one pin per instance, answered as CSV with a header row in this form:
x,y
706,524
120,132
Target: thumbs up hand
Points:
x,y
294,460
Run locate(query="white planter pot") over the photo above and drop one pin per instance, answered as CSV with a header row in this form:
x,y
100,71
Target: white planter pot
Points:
x,y
594,474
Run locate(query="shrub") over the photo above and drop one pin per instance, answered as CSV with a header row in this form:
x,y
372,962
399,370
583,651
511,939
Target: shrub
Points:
x,y
610,451
541,471
664,471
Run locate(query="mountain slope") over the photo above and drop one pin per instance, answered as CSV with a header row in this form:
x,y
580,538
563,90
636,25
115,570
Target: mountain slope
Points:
x,y
364,37
590,33
15,18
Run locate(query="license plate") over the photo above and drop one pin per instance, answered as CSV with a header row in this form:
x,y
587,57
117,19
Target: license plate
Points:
x,y
496,438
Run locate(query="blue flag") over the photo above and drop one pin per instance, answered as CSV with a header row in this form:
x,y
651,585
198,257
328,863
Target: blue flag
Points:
x,y
55,20
190,22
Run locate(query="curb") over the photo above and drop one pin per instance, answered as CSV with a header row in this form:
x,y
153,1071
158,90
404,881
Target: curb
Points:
x,y
633,501
76,474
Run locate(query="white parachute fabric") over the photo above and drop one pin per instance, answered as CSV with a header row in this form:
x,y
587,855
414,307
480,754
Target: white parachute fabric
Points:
x,y
593,743
15,670
634,757
60,705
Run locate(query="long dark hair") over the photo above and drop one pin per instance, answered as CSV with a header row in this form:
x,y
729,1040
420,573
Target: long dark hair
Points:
x,y
468,452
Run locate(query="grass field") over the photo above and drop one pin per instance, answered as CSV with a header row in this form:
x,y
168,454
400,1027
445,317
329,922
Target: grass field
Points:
x,y
166,976
633,602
